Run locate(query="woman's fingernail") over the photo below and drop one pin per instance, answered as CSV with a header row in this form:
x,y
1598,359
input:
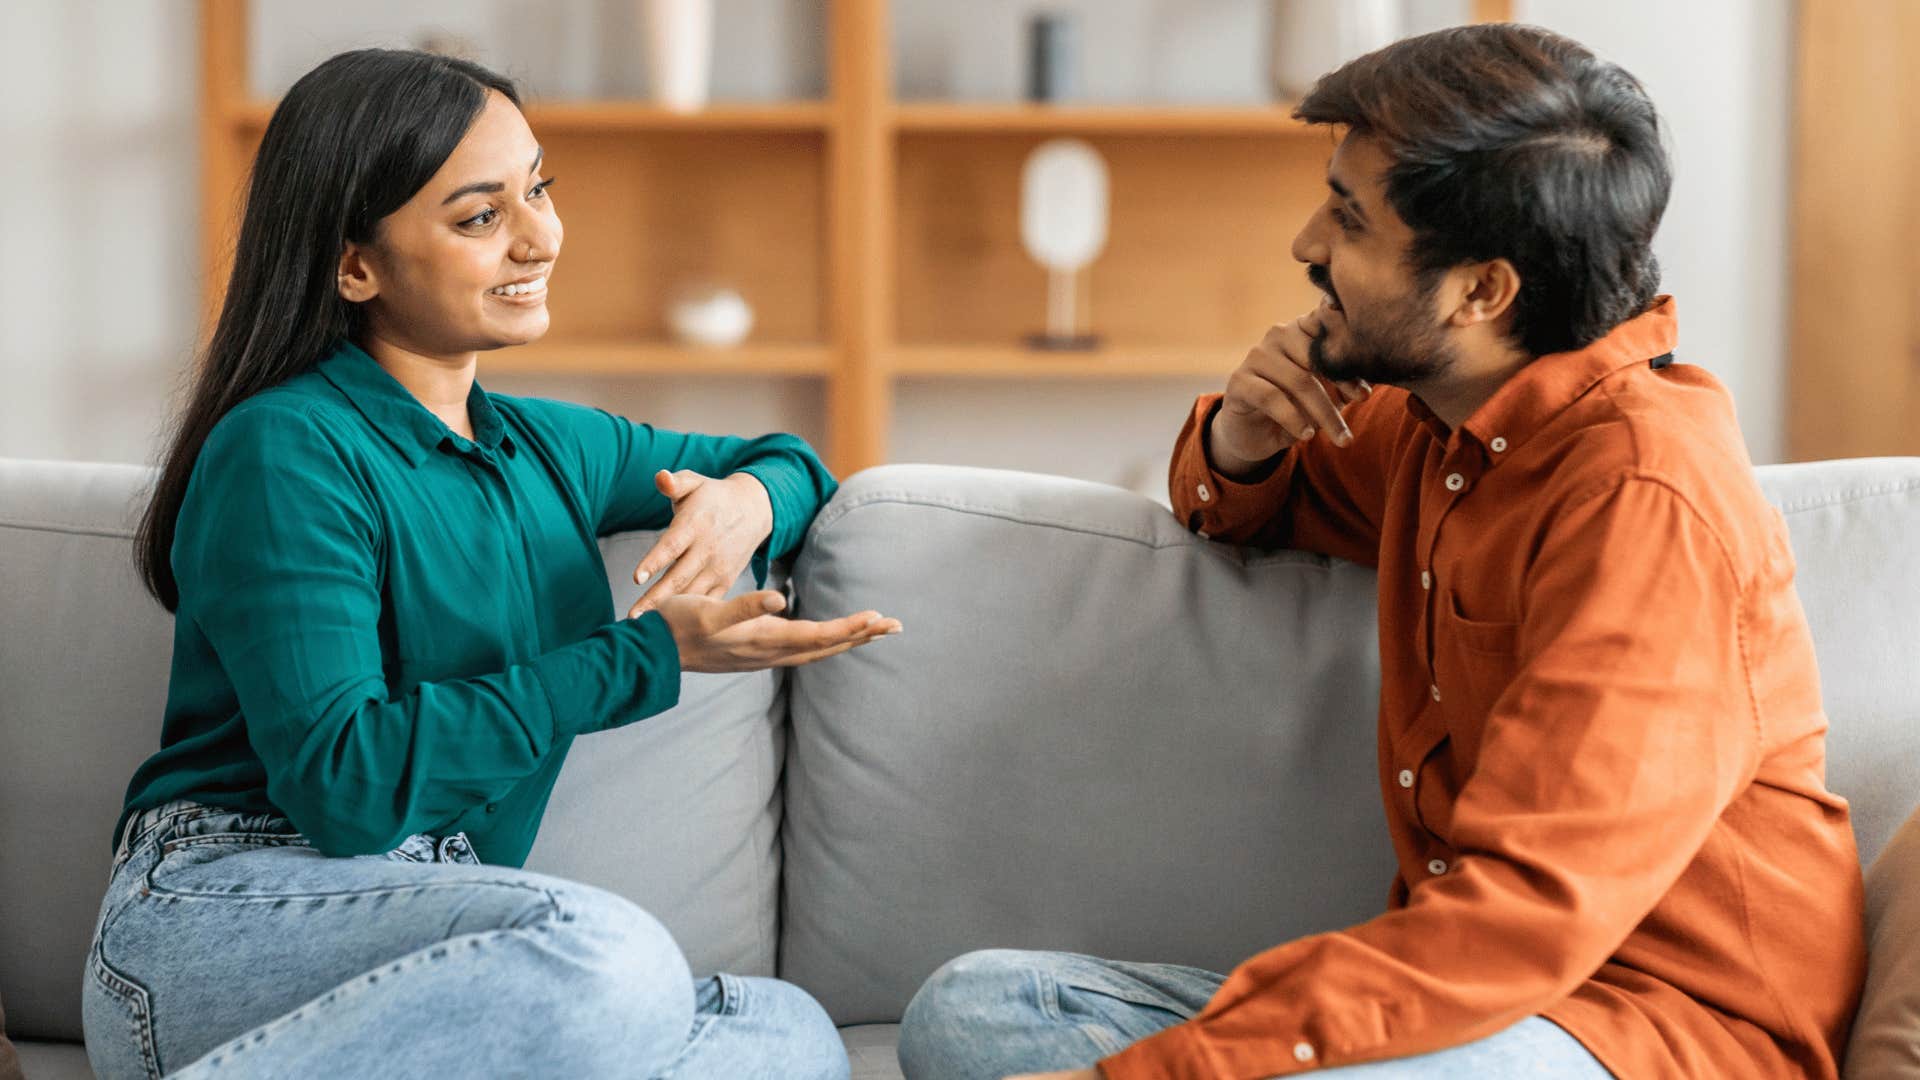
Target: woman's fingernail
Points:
x,y
641,577
1307,434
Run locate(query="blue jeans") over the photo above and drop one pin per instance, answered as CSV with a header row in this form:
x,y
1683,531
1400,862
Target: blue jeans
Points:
x,y
228,946
992,1014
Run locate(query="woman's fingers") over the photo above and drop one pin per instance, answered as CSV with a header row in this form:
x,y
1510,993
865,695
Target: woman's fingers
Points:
x,y
664,552
675,581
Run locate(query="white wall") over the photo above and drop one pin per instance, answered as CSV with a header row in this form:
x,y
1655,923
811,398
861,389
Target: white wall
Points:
x,y
1720,73
99,263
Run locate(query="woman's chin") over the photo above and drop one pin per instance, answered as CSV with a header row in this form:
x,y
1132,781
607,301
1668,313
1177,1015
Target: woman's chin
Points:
x,y
523,331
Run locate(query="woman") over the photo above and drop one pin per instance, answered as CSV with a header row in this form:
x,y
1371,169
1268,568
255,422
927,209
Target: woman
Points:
x,y
391,622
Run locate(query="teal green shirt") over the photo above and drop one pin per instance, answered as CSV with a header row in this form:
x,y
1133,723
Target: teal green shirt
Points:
x,y
385,628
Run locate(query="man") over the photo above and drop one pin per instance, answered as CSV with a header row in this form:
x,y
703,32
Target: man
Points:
x,y
1601,743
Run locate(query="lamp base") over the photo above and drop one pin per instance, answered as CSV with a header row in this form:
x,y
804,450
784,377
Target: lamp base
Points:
x,y
1067,343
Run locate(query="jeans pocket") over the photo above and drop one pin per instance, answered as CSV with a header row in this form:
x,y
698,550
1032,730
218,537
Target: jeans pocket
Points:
x,y
117,1016
181,854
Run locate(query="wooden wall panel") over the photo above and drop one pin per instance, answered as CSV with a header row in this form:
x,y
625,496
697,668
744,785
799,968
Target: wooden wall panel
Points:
x,y
1854,387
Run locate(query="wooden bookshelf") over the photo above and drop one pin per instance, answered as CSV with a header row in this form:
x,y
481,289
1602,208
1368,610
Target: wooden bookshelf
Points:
x,y
877,239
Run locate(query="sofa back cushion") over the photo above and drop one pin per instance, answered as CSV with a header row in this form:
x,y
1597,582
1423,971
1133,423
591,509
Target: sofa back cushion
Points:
x,y
679,812
1098,733
1102,734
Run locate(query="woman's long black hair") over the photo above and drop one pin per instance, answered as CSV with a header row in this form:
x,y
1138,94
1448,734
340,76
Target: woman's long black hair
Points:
x,y
351,143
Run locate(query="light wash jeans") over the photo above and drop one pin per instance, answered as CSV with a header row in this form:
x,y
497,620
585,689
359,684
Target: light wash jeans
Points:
x,y
228,946
991,1014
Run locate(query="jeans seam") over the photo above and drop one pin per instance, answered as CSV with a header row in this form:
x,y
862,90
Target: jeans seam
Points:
x,y
417,959
153,888
133,997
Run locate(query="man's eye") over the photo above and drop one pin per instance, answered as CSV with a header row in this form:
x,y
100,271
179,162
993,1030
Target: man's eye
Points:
x,y
1341,219
484,217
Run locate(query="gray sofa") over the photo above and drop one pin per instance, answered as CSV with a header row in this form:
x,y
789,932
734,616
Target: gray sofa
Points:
x,y
1099,733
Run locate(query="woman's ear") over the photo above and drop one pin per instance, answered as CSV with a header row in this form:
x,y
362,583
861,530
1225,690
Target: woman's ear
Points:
x,y
358,281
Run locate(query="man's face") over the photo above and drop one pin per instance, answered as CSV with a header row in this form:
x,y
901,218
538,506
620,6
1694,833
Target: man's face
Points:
x,y
1379,324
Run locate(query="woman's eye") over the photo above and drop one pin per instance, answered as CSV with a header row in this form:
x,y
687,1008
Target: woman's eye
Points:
x,y
484,217
540,189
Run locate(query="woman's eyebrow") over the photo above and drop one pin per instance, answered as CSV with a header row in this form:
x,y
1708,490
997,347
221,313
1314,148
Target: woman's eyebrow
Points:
x,y
490,187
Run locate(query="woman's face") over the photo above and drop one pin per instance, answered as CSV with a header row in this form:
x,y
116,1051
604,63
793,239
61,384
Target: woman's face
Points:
x,y
435,279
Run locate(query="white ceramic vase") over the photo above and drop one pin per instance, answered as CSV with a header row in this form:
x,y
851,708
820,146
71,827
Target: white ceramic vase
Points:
x,y
679,38
1312,37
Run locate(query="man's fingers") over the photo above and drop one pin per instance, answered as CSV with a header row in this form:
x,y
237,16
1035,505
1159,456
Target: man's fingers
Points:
x,y
1276,405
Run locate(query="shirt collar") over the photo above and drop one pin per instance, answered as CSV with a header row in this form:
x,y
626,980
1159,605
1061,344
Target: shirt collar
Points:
x,y
1544,388
399,417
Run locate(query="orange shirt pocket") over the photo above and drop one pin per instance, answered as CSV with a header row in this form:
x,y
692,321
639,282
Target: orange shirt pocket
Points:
x,y
1474,660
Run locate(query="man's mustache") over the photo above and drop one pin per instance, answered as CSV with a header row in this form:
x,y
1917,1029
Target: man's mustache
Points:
x,y
1322,280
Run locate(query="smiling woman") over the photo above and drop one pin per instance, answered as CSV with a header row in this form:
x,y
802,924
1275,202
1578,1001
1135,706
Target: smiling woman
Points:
x,y
392,622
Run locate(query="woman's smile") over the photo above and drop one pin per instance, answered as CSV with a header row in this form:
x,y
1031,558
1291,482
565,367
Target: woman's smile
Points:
x,y
528,292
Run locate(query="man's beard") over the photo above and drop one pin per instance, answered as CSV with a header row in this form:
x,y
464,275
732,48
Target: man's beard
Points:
x,y
1398,344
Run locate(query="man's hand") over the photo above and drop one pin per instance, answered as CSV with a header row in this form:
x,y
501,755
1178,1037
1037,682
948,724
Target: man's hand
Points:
x,y
746,633
717,526
1274,399
1070,1074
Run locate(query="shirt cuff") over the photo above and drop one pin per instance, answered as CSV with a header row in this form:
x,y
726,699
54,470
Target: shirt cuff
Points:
x,y
1208,501
623,672
789,502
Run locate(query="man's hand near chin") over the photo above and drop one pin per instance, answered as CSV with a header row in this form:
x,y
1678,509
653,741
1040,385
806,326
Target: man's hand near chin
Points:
x,y
1070,1074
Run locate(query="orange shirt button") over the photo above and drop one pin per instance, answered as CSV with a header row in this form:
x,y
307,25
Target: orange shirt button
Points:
x,y
1455,481
1436,691
1437,867
1406,777
1302,1052
1205,495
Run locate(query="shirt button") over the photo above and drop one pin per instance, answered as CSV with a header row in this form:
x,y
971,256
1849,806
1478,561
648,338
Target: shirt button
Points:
x,y
1436,691
1426,579
1205,495
1498,445
1302,1052
1406,777
1437,866
491,807
1455,481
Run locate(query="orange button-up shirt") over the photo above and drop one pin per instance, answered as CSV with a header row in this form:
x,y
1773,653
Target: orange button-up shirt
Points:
x,y
1601,743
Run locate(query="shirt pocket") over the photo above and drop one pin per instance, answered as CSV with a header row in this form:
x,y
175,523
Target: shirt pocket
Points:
x,y
1474,661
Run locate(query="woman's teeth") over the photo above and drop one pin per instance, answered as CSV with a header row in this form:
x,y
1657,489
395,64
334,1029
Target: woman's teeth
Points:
x,y
536,285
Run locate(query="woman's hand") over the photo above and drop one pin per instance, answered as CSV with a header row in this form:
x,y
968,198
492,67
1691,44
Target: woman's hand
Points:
x,y
717,526
746,633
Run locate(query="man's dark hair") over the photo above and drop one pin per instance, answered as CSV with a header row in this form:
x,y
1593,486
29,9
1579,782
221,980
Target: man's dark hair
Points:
x,y
1512,142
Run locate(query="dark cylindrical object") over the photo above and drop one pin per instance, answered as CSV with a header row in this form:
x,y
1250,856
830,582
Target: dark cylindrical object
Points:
x,y
1053,71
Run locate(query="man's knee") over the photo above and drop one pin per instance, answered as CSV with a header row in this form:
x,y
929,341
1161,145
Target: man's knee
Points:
x,y
962,1002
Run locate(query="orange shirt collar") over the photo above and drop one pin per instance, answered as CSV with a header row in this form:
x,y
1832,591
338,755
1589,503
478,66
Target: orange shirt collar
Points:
x,y
1545,387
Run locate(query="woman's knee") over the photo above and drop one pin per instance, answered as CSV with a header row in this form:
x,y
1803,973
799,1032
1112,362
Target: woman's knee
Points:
x,y
615,963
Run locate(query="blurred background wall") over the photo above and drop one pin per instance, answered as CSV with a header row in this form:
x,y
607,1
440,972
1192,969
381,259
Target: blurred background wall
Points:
x,y
102,290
